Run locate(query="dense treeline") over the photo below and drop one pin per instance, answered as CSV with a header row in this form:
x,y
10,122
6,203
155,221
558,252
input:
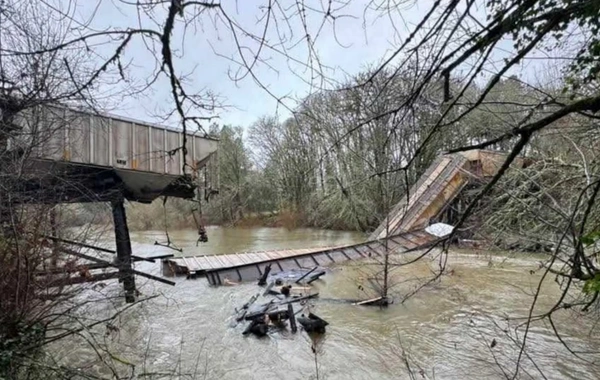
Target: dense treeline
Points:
x,y
346,156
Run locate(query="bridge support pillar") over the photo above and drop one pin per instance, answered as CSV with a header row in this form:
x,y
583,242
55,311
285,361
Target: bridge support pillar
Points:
x,y
123,249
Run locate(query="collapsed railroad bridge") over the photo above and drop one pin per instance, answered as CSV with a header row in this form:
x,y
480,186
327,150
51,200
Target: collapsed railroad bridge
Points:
x,y
436,197
67,156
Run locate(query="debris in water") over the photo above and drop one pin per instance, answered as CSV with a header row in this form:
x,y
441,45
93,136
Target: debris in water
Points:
x,y
292,317
228,282
313,323
315,277
305,274
257,327
440,229
284,289
378,301
244,309
263,278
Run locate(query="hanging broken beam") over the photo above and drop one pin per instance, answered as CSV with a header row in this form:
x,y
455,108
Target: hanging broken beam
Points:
x,y
97,260
100,249
75,269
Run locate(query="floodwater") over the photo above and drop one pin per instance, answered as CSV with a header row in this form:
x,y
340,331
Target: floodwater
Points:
x,y
462,327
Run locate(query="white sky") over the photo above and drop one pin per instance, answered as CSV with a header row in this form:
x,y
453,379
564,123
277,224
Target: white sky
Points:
x,y
366,40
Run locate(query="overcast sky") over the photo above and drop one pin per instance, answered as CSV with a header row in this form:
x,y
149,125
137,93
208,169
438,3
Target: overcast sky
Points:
x,y
358,40
206,50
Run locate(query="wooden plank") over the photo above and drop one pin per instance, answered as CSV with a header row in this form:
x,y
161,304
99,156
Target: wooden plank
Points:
x,y
230,260
369,301
422,238
263,256
273,255
207,262
215,262
346,255
388,244
174,262
220,259
377,249
243,258
381,248
407,236
253,257
187,265
197,263
404,243
293,252
227,261
374,249
238,259
417,240
223,259
158,257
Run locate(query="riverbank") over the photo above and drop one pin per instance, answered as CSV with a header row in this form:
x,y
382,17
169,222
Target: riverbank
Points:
x,y
177,214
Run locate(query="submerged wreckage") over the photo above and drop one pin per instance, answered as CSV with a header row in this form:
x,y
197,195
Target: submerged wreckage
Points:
x,y
284,292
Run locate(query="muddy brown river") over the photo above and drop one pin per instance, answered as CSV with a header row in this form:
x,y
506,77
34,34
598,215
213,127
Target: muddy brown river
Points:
x,y
462,327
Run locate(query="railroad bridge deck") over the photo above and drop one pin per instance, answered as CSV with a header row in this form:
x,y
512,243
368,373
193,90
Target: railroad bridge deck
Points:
x,y
249,266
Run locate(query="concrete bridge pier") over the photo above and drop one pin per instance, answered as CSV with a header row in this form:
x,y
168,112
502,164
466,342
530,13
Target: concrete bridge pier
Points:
x,y
123,243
